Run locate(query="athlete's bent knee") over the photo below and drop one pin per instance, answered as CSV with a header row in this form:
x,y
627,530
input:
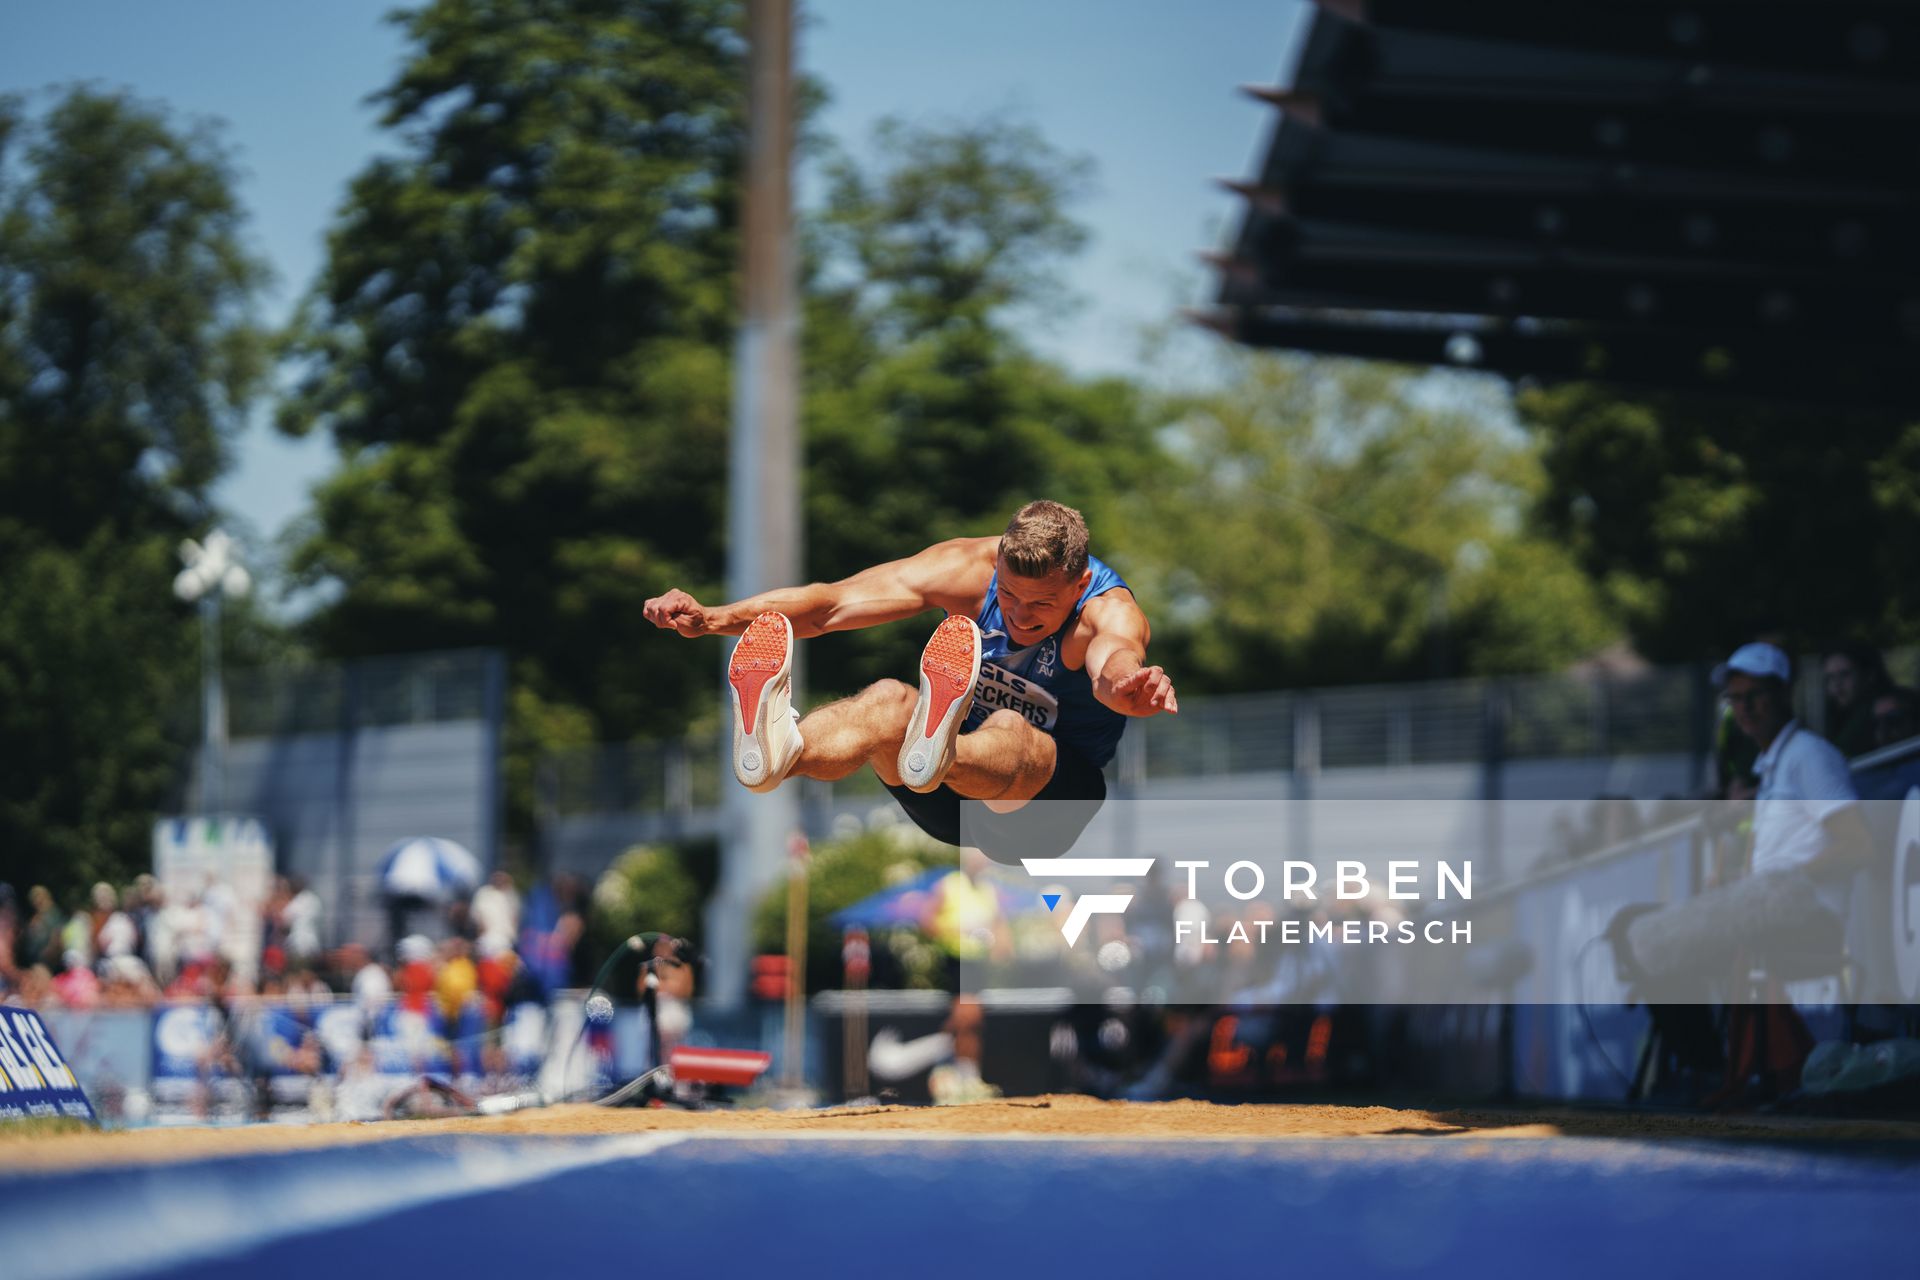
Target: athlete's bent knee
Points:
x,y
890,693
889,703
1009,722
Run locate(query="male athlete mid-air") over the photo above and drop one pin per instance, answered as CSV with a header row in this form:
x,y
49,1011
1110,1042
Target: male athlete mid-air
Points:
x,y
1024,687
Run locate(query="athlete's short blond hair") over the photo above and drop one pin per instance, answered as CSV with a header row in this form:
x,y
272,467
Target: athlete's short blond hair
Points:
x,y
1044,536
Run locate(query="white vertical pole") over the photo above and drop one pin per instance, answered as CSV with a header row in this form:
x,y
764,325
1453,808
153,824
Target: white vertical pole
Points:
x,y
763,522
213,708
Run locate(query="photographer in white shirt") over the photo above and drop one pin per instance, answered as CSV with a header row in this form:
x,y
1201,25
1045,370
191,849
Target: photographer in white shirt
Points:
x,y
1809,842
1806,816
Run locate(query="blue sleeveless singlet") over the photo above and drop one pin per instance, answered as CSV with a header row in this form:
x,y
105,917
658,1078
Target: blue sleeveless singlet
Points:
x,y
1037,684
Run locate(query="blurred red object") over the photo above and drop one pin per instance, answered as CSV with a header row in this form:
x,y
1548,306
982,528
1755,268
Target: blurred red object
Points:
x,y
731,1067
413,982
771,976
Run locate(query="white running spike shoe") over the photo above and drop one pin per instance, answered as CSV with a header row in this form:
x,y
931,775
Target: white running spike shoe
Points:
x,y
766,726
949,669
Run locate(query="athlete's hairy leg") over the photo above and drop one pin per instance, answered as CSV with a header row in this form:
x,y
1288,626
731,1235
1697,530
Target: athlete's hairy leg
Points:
x,y
867,728
1005,762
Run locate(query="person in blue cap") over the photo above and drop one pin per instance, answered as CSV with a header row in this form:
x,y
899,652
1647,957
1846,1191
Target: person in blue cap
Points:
x,y
1806,813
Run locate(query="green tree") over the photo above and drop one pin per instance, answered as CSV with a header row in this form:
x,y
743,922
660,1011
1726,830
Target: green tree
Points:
x,y
1324,522
128,354
1706,523
520,342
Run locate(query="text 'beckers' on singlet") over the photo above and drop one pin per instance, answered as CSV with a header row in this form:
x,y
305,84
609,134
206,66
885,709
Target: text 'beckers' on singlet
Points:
x,y
1037,684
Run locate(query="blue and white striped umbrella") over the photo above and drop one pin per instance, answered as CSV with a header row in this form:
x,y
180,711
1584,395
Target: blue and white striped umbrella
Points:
x,y
429,867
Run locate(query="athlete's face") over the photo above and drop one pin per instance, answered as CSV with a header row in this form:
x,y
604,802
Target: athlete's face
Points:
x,y
1035,608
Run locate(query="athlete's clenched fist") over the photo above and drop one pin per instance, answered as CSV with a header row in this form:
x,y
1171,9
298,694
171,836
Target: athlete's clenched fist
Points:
x,y
680,612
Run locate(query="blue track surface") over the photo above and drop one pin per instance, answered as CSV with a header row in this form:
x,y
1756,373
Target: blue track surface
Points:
x,y
909,1207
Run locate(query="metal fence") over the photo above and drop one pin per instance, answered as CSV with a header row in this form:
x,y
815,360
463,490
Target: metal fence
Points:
x,y
1660,711
419,688
679,775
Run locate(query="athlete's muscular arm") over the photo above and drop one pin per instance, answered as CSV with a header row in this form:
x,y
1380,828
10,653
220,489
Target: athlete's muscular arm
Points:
x,y
1116,658
949,575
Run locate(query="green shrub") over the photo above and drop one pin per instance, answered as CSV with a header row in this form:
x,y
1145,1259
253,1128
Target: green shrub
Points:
x,y
648,888
840,873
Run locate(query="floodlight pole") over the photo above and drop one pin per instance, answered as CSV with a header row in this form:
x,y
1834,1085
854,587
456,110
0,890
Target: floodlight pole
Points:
x,y
213,708
213,572
763,497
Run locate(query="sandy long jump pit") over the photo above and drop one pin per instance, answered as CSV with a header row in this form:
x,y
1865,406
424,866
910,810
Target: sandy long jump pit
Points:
x,y
1050,1116
1021,1186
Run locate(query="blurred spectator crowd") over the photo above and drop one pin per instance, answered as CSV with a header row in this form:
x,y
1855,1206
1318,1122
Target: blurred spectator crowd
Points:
x,y
139,946
249,1004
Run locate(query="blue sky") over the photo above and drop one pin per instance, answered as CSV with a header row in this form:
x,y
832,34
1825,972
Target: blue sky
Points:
x,y
1146,88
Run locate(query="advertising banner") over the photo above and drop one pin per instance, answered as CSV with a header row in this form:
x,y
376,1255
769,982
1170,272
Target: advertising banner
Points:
x,y
34,1079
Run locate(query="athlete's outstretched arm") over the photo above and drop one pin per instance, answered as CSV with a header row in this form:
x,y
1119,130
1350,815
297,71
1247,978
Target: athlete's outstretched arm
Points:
x,y
939,577
1117,659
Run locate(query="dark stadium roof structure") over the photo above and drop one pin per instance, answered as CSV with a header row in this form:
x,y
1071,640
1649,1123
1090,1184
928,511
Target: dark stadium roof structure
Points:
x,y
1719,196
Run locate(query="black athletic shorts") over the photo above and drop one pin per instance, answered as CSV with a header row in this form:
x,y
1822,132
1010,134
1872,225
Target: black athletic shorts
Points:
x,y
1045,827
